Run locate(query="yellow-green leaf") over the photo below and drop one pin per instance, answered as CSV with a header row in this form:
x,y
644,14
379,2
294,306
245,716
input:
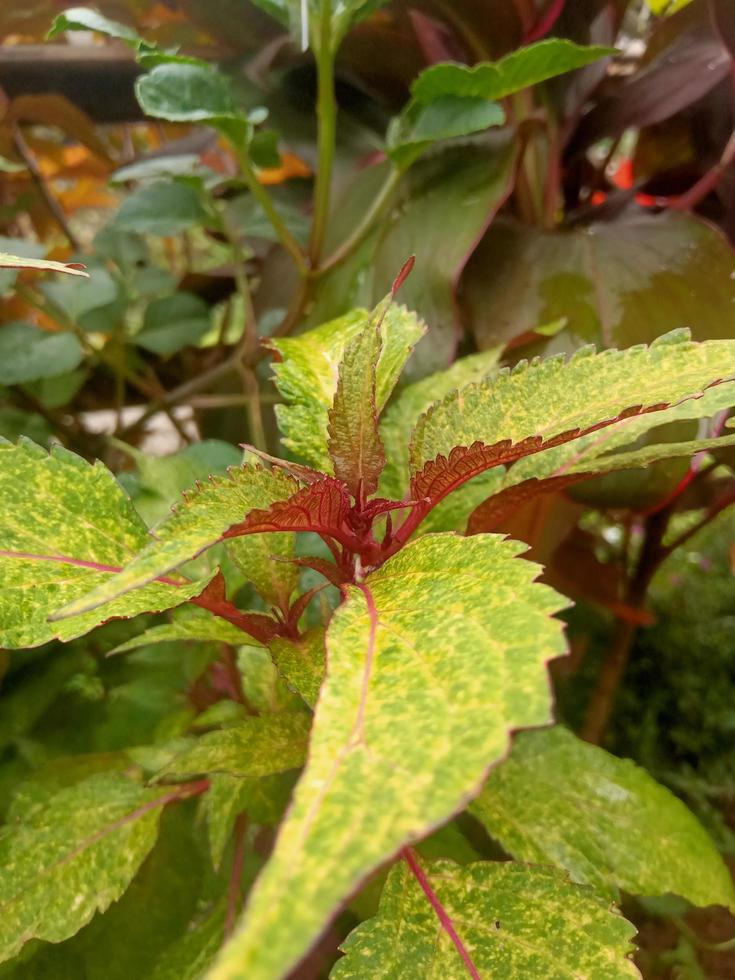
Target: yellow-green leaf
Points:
x,y
557,800
308,372
259,746
355,447
551,402
42,265
516,922
424,683
72,856
66,526
196,524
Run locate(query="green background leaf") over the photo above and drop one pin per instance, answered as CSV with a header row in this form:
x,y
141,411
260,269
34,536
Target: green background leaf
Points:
x,y
518,70
71,857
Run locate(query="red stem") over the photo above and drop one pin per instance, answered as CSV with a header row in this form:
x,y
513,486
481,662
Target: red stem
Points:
x,y
707,183
545,22
442,915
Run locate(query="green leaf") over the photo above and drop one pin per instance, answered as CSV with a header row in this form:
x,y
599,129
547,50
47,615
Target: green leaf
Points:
x,y
521,412
27,353
445,117
161,479
301,662
123,943
308,372
557,800
191,93
196,524
263,800
160,208
498,79
355,447
617,282
75,529
198,625
173,322
404,412
84,19
42,265
417,704
266,561
189,958
73,856
259,746
502,914
447,203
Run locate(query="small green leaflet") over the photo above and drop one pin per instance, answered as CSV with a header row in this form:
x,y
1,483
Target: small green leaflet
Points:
x,y
73,856
386,767
84,19
262,799
266,561
260,746
515,921
301,662
557,800
355,447
196,524
445,117
497,79
308,371
197,625
42,265
66,526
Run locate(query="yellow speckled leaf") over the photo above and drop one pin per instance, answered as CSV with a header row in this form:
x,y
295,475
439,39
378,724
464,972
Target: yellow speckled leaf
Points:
x,y
65,526
516,922
557,800
430,662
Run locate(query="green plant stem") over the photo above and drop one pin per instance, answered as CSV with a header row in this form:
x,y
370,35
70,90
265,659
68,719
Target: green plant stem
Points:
x,y
685,930
262,196
363,229
327,118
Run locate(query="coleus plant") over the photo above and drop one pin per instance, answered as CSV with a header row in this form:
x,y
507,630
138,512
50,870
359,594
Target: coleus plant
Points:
x,y
424,652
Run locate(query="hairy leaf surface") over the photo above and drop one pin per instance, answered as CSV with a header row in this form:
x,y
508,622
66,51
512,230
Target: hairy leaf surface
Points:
x,y
355,447
66,526
71,857
423,684
557,800
196,524
308,373
500,420
491,512
503,914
